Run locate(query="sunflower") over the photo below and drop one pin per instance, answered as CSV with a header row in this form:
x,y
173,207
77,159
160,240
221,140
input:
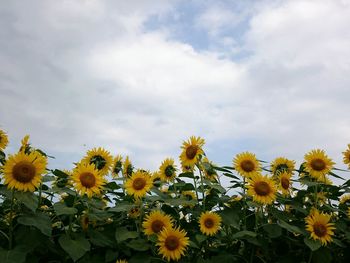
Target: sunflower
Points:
x,y
285,184
189,195
23,171
282,164
246,164
134,212
101,158
209,223
262,189
348,212
117,166
87,179
172,243
325,180
127,167
84,222
317,163
25,146
3,140
346,156
155,222
208,169
167,170
121,261
187,168
344,198
191,151
319,227
138,184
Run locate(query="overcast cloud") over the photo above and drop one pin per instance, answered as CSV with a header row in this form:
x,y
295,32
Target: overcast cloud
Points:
x,y
139,77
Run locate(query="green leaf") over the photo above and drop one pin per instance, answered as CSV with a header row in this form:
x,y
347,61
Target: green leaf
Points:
x,y
140,258
122,234
230,217
244,233
273,230
290,228
28,199
16,255
312,244
139,245
38,220
62,209
323,255
99,239
188,175
122,207
200,238
76,248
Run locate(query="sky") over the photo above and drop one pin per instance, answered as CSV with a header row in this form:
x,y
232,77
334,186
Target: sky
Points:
x,y
139,77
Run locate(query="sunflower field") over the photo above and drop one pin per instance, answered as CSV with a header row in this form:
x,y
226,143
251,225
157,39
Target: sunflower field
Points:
x,y
107,210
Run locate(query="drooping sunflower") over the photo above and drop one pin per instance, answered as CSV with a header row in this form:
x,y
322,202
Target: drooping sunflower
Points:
x,y
3,140
23,171
208,169
117,166
191,150
155,222
127,167
87,179
167,170
282,164
319,226
138,184
209,223
262,189
246,164
101,158
317,163
284,179
346,156
172,243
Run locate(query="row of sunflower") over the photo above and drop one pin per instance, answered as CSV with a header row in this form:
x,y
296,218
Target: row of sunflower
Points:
x,y
106,210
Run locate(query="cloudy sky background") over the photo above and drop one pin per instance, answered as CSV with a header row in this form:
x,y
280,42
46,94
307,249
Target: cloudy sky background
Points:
x,y
139,77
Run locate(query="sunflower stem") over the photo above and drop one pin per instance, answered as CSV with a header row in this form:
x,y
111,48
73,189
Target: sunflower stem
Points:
x,y
244,205
11,219
202,186
195,186
70,228
40,195
310,257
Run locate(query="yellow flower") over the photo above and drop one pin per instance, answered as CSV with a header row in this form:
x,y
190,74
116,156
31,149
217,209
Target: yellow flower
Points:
x,y
209,223
127,167
117,166
321,198
319,227
138,184
134,212
23,171
167,170
190,195
3,140
172,243
246,164
24,143
346,156
191,151
348,213
84,222
262,189
344,198
208,169
155,222
317,163
101,158
187,168
282,164
285,182
87,179
122,261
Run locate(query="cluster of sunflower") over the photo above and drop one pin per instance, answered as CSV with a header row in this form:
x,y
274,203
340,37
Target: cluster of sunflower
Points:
x,y
106,210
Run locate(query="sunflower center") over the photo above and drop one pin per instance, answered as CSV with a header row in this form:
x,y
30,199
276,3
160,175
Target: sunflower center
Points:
x,y
318,164
87,179
157,226
285,183
98,161
24,171
139,183
172,243
209,223
262,188
129,170
169,171
191,151
320,229
282,167
118,167
247,166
